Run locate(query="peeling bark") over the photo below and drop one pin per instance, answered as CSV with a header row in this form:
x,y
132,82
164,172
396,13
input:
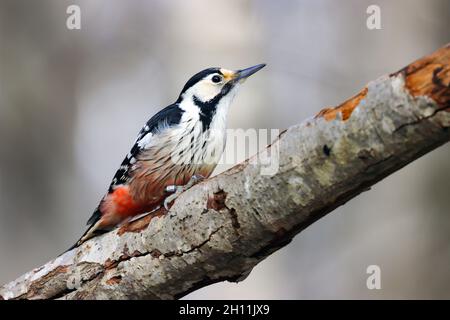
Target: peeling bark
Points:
x,y
221,228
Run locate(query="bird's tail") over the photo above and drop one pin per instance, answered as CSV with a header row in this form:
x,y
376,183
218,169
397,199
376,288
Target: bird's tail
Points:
x,y
92,231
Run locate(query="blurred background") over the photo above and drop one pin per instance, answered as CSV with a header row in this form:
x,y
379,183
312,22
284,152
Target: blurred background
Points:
x,y
72,102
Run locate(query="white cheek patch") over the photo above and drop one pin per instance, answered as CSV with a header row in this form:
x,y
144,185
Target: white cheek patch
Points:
x,y
205,90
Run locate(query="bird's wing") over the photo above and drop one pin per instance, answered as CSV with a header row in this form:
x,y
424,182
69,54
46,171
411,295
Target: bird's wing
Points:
x,y
167,117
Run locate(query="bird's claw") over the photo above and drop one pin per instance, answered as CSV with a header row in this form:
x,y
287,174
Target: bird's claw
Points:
x,y
177,190
196,178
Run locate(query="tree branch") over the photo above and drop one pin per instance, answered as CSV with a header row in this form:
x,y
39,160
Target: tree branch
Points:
x,y
221,228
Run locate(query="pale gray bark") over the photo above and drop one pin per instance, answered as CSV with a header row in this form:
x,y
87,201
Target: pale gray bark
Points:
x,y
221,228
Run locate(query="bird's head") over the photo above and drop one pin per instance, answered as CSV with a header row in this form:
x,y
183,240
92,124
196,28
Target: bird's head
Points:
x,y
213,84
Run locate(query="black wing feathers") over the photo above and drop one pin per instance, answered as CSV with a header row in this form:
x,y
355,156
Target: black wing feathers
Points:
x,y
169,116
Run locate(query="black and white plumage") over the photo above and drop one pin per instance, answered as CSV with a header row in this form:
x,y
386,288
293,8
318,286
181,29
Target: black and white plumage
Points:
x,y
183,140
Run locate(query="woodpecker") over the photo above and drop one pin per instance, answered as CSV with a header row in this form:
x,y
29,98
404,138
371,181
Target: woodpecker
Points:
x,y
178,146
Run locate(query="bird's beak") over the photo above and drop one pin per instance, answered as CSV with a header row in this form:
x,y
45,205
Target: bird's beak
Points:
x,y
243,74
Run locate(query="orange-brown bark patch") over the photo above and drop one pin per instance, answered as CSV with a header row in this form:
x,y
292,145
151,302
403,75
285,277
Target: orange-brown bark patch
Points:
x,y
217,200
114,280
110,264
430,76
39,284
142,223
345,108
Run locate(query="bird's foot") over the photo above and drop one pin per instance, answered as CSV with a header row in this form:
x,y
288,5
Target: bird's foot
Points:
x,y
177,190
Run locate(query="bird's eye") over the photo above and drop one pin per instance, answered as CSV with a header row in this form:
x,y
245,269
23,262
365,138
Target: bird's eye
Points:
x,y
216,79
